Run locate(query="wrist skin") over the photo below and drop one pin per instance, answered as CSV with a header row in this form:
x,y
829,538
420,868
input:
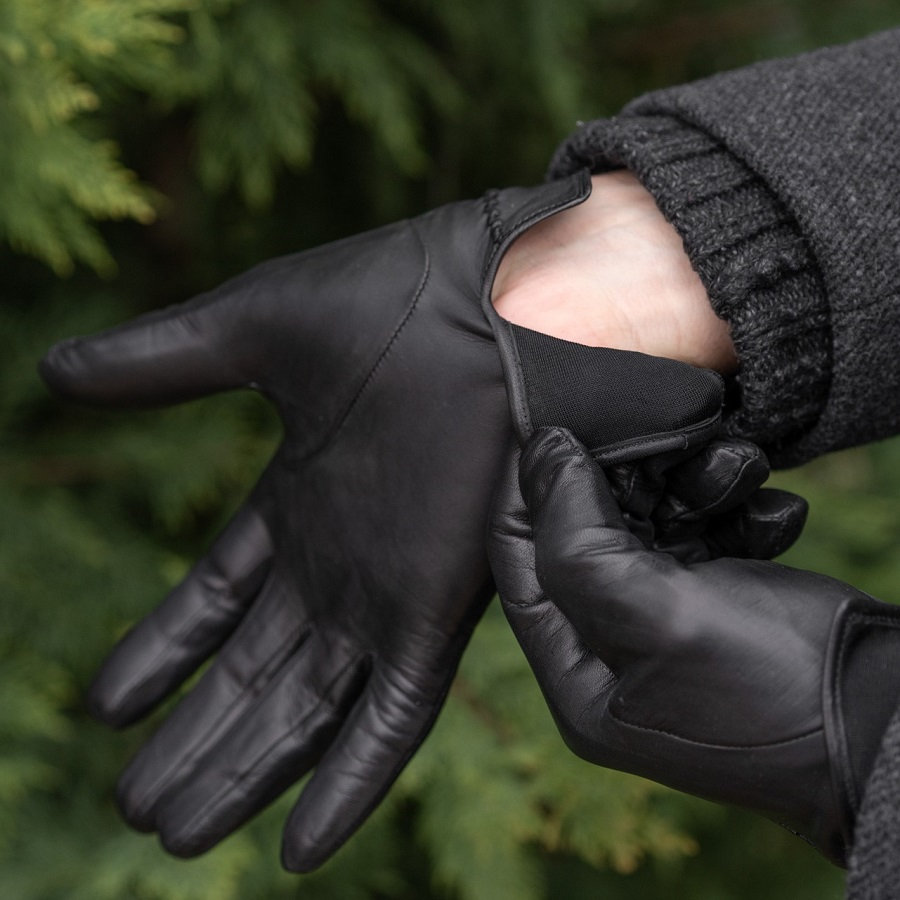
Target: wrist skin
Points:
x,y
612,272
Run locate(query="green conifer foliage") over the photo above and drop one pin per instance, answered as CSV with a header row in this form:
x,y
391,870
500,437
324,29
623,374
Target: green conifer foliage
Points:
x,y
59,174
169,143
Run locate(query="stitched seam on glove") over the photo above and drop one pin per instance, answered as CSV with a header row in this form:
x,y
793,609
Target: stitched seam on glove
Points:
x,y
492,211
491,204
248,772
280,656
187,627
341,835
579,188
342,420
783,743
649,445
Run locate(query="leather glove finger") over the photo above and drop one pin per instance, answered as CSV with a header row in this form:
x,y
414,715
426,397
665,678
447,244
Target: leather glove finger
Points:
x,y
717,479
718,493
554,649
583,548
271,743
385,728
708,503
163,357
169,644
269,635
764,526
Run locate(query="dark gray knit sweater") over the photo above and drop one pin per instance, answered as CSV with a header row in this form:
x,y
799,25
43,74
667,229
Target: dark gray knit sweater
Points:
x,y
783,180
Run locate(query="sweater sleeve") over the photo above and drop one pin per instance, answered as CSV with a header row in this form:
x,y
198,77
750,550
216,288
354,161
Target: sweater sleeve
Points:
x,y
783,180
874,863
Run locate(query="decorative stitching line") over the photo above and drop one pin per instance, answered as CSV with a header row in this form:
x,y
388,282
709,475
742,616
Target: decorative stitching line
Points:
x,y
381,357
228,787
294,639
606,454
492,212
678,737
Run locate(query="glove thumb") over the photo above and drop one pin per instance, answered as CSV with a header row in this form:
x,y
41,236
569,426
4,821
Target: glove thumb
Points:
x,y
587,562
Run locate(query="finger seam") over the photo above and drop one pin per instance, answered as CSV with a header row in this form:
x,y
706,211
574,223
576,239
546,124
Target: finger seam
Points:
x,y
176,637
276,660
370,377
325,701
670,734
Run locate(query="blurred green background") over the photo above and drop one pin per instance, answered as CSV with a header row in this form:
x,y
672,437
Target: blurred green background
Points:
x,y
148,150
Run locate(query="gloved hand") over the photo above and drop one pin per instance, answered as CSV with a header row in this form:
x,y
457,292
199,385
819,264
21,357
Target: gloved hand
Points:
x,y
702,503
339,599
741,681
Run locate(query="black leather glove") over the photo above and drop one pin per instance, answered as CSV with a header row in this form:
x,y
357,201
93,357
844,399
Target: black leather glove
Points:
x,y
339,599
741,681
701,503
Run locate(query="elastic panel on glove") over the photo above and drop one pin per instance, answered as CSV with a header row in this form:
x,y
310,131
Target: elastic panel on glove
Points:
x,y
620,404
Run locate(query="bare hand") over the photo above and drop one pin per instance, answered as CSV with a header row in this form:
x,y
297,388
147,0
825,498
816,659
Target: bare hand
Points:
x,y
612,272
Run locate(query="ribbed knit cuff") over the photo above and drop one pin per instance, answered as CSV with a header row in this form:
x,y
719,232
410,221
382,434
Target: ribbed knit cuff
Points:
x,y
751,256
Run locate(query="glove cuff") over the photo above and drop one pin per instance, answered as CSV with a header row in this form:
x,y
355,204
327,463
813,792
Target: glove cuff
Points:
x,y
621,405
862,692
875,864
750,254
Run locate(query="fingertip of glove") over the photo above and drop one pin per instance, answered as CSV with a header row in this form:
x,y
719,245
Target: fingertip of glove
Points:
x,y
104,708
312,836
181,846
794,511
767,526
300,855
556,463
56,369
783,507
99,710
742,477
135,811
547,450
751,457
182,831
798,505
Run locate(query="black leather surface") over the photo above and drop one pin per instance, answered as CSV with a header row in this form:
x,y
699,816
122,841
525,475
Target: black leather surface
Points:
x,y
338,601
719,678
